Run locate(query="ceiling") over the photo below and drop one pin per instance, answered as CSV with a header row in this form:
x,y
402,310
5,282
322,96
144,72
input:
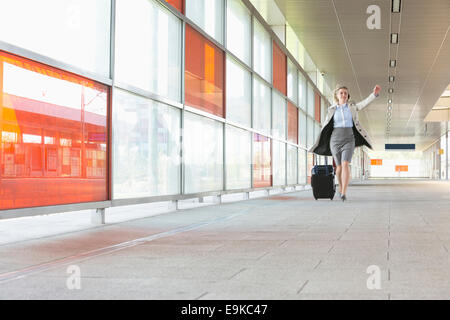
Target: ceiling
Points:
x,y
335,34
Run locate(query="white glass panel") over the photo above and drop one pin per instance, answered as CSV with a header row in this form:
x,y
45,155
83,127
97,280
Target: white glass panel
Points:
x,y
146,147
302,128
208,15
203,154
238,93
261,106
262,51
279,163
292,83
292,164
301,91
152,60
239,25
310,99
301,166
71,31
278,116
310,127
238,158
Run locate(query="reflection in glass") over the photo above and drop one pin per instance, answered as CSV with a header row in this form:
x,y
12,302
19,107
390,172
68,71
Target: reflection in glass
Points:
x,y
204,74
279,69
278,116
292,123
54,136
262,171
146,147
208,15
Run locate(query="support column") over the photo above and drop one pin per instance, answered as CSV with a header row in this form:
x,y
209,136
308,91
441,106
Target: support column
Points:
x,y
98,216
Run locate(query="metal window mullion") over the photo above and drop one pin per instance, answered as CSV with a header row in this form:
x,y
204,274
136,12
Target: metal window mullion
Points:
x,y
112,48
183,110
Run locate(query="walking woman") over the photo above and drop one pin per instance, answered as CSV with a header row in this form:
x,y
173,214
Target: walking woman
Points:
x,y
342,132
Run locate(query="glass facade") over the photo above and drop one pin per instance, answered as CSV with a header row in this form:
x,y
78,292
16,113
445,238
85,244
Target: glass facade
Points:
x,y
204,74
190,112
152,61
239,30
58,29
54,136
238,93
146,147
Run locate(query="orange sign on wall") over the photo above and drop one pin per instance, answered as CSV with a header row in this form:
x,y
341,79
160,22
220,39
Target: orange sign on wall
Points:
x,y
376,162
401,168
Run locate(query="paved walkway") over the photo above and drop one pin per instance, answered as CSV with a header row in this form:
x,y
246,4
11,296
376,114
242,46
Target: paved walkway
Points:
x,y
392,236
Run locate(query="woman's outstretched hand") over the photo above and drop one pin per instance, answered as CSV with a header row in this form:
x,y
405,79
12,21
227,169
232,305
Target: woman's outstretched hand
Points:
x,y
377,90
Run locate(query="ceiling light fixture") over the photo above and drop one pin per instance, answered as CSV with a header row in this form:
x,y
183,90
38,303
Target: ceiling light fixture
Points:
x,y
391,90
394,38
390,101
392,63
391,78
390,108
396,5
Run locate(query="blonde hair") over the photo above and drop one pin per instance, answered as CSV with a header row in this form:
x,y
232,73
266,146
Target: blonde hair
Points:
x,y
336,90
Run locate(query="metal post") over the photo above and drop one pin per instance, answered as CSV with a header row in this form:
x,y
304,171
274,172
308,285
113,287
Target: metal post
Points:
x,y
98,216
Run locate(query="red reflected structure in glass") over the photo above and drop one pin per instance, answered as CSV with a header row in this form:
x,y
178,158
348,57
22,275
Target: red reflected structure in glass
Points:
x,y
204,74
279,69
310,165
317,106
292,123
54,136
262,161
177,4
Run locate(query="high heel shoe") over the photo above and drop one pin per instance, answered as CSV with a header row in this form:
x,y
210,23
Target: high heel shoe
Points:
x,y
343,197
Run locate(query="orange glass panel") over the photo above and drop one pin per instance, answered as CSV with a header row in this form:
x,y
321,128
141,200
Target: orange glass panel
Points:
x,y
401,168
204,74
54,136
178,4
262,163
292,123
376,162
279,69
317,106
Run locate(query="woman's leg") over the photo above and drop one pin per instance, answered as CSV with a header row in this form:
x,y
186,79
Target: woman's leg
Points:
x,y
345,176
339,177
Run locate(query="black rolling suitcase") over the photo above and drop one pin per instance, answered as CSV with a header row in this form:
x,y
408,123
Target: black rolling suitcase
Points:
x,y
322,182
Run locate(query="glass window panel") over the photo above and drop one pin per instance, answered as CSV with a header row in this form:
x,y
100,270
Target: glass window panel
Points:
x,y
238,158
292,123
203,154
54,136
151,61
146,147
239,25
310,163
310,100
279,163
317,107
301,166
292,164
311,136
262,171
279,69
208,15
301,91
76,32
302,128
292,82
278,116
261,106
262,53
204,77
238,93
178,4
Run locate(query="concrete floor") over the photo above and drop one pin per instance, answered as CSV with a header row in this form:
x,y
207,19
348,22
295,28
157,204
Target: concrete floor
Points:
x,y
286,246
